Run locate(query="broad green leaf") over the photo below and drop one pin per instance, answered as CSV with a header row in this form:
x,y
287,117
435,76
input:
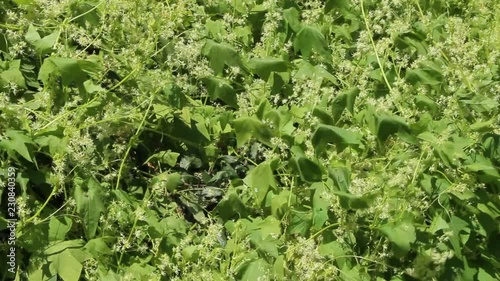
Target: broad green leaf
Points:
x,y
344,100
279,267
231,206
279,203
438,223
428,136
89,197
66,266
263,227
98,246
221,54
320,205
484,126
458,225
487,171
301,222
342,138
17,142
310,38
307,169
311,71
54,139
165,157
423,76
388,125
215,28
401,233
247,127
70,70
62,246
265,66
481,103
162,111
333,249
292,17
323,116
13,75
342,31
42,45
244,33
341,176
58,227
171,180
338,5
484,276
266,246
424,102
355,201
32,35
260,179
219,88
91,88
255,270
190,253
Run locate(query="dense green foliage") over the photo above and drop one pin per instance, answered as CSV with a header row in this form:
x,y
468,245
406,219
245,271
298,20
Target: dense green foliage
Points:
x,y
252,139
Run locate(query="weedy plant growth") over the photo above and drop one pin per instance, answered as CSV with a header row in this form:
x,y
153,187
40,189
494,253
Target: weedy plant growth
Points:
x,y
251,139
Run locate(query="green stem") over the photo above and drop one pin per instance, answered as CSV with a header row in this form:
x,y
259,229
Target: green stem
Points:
x,y
131,143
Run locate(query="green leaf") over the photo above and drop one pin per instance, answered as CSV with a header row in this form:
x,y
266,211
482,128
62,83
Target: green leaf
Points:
x,y
62,246
42,45
219,88
308,70
13,75
17,141
301,221
165,157
292,17
307,169
32,35
247,127
333,249
344,100
279,203
355,201
231,207
401,233
58,227
54,140
424,102
484,276
171,180
341,176
323,115
70,70
89,197
255,270
458,225
308,39
342,138
320,205
265,66
484,167
423,76
215,28
388,125
98,247
268,227
260,179
66,266
221,54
